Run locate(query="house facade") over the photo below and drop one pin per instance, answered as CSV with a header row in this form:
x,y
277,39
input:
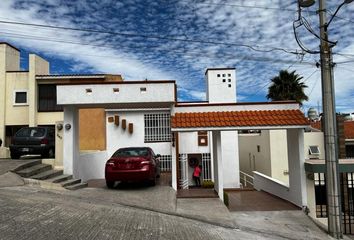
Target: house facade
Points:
x,y
28,98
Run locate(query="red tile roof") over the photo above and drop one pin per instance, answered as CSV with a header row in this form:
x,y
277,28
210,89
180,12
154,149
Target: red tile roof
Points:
x,y
316,125
239,119
349,129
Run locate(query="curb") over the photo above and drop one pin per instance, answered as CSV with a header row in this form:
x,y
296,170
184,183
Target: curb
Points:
x,y
44,184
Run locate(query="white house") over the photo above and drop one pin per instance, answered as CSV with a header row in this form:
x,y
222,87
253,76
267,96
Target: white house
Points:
x,y
147,113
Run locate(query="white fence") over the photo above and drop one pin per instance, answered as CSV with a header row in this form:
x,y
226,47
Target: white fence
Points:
x,y
166,163
246,180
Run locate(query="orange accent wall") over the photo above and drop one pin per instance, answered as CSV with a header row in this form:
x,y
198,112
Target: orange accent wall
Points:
x,y
92,129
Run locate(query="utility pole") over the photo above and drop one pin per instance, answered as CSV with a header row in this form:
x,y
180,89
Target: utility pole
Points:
x,y
330,129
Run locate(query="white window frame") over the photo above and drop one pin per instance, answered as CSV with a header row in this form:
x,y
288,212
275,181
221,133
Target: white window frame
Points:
x,y
317,153
14,97
160,133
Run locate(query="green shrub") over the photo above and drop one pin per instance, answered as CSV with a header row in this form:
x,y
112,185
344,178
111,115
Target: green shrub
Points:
x,y
208,184
226,199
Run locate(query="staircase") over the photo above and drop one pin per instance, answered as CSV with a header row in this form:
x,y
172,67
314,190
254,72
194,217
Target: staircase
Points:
x,y
37,170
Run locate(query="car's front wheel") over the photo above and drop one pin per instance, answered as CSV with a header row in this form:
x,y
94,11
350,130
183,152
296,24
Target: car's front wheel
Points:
x,y
110,184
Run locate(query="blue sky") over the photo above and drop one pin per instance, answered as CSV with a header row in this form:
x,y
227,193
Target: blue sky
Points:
x,y
179,39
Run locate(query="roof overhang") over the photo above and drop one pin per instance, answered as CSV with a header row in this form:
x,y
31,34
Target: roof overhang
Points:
x,y
319,166
239,120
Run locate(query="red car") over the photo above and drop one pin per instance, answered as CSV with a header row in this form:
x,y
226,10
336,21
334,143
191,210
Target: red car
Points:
x,y
133,164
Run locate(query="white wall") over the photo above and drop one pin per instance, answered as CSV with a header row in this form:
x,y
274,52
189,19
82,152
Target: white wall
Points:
x,y
128,93
279,155
313,139
252,160
118,138
92,165
222,88
230,159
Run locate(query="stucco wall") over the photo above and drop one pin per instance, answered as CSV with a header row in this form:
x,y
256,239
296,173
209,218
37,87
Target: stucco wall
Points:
x,y
252,160
118,138
279,155
16,114
314,138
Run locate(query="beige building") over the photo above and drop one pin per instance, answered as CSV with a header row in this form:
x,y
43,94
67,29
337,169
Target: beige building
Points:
x,y
28,98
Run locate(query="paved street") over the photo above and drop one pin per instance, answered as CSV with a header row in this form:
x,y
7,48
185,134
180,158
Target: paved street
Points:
x,y
31,213
35,213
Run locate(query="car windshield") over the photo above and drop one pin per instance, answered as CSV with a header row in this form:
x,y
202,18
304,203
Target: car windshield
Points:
x,y
31,132
133,152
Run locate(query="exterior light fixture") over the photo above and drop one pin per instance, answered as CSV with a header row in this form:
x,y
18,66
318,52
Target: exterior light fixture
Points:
x,y
67,126
59,126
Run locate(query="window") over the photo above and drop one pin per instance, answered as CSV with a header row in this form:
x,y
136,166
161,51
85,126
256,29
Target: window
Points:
x,y
157,127
20,97
47,98
314,150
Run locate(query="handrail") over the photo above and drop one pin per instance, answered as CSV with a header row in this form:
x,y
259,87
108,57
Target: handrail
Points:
x,y
247,179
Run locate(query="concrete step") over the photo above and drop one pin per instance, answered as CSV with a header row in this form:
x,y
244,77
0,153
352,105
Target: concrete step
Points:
x,y
76,186
70,182
60,178
36,169
47,174
28,164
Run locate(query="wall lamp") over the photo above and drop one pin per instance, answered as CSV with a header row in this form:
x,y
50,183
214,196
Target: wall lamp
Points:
x,y
67,126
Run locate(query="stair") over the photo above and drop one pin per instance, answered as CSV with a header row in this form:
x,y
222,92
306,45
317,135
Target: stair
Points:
x,y
39,168
70,182
48,174
36,170
60,178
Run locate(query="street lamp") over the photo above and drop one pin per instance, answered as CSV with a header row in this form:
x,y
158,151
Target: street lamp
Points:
x,y
335,13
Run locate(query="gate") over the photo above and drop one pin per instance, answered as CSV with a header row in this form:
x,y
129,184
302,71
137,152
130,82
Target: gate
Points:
x,y
183,171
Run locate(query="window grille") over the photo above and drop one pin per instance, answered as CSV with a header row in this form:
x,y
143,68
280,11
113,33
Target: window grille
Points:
x,y
166,163
157,127
206,166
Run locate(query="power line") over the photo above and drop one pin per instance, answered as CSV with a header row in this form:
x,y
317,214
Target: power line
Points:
x,y
272,49
184,53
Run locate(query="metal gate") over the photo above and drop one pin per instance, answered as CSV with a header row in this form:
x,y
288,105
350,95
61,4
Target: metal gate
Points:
x,y
347,195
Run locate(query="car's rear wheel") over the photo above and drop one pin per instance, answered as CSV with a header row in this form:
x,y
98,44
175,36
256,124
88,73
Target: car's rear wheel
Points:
x,y
110,184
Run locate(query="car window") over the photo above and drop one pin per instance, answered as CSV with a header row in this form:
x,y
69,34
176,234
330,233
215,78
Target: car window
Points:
x,y
133,152
31,132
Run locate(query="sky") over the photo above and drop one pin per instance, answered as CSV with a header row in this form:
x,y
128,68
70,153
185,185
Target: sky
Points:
x,y
179,39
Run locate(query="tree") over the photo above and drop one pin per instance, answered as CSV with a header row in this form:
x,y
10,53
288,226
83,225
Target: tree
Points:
x,y
287,86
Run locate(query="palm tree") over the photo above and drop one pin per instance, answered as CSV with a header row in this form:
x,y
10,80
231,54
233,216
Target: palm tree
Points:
x,y
287,86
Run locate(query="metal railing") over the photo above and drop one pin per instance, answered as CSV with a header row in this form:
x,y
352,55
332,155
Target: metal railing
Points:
x,y
246,180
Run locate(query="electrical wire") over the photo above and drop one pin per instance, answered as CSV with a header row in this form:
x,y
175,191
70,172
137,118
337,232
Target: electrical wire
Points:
x,y
150,36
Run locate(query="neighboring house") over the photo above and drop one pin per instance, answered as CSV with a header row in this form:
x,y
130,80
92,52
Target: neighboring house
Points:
x,y
28,98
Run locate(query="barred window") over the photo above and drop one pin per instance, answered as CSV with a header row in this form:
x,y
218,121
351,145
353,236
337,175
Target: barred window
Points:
x,y
157,127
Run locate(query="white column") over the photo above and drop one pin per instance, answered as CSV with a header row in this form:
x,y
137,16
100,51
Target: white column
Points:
x,y
218,164
296,161
71,140
230,159
174,163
